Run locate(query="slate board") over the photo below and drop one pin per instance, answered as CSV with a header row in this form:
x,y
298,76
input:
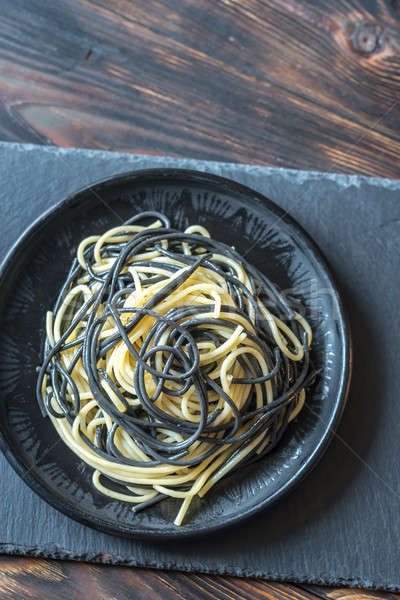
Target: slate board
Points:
x,y
342,525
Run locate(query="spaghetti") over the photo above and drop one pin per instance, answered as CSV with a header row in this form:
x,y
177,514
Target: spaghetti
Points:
x,y
169,362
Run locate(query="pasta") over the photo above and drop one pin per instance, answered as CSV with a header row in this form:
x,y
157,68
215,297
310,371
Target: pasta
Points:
x,y
169,362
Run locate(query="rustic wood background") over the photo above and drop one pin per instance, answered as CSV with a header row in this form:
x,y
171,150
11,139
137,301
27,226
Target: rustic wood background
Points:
x,y
300,83
303,84
34,579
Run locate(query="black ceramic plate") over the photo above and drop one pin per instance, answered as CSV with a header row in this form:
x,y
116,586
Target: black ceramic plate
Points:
x,y
31,277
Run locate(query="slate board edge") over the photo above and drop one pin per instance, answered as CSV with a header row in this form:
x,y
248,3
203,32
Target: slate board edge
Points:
x,y
299,176
57,553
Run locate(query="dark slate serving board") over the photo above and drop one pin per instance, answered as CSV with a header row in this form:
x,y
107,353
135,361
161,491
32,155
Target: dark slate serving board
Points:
x,y
342,525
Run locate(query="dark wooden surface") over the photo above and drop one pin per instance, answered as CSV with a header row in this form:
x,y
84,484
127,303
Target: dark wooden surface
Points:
x,y
304,84
34,579
300,83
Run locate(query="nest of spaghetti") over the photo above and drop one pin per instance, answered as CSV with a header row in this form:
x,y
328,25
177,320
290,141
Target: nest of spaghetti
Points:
x,y
170,362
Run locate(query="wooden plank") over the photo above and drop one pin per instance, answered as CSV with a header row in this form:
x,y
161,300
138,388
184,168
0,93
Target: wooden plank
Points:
x,y
327,593
311,85
26,578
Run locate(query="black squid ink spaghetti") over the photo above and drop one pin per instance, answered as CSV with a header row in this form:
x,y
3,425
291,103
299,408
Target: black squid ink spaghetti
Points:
x,y
169,362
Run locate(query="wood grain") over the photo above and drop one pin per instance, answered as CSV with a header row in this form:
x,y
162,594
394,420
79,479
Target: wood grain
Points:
x,y
24,579
27,578
327,593
304,84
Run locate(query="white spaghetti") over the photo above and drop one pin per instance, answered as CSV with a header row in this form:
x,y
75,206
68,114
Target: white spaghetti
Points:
x,y
169,362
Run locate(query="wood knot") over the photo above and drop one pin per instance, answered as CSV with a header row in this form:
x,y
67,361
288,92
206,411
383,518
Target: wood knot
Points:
x,y
366,38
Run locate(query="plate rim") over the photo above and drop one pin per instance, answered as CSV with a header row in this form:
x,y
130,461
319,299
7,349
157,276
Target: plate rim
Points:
x,y
102,525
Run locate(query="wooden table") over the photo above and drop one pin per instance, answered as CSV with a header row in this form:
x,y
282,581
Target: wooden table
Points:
x,y
303,84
